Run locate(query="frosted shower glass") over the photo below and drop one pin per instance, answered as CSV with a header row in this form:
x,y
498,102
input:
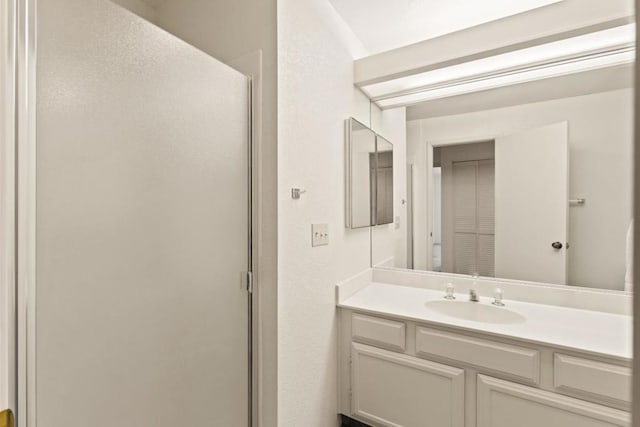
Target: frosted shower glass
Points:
x,y
142,213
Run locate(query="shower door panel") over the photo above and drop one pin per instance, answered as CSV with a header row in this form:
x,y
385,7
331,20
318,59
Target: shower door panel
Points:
x,y
141,225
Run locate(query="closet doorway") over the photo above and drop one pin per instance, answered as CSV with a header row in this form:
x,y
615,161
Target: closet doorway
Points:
x,y
464,214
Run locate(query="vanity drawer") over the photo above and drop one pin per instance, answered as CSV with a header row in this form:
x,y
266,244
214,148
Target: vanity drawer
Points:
x,y
519,362
379,332
599,379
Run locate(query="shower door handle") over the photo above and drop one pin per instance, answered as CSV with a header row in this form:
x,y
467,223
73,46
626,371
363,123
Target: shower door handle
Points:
x,y
6,418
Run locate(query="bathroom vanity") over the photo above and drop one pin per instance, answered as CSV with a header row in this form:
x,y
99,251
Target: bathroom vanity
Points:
x,y
551,356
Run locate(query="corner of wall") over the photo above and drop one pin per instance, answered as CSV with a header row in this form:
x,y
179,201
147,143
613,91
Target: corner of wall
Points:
x,y
139,8
316,94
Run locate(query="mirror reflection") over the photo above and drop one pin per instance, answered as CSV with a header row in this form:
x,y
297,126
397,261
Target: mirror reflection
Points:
x,y
369,190
530,182
384,182
361,168
463,207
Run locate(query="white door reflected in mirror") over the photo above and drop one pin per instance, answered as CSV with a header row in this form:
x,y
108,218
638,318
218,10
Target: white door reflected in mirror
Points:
x,y
532,203
499,204
537,191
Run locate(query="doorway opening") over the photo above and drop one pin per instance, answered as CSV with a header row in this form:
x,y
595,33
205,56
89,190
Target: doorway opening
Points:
x,y
463,234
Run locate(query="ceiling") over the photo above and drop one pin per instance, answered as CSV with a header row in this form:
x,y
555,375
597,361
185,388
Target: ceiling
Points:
x,y
383,25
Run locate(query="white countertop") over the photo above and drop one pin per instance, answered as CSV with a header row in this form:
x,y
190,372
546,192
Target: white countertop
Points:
x,y
593,332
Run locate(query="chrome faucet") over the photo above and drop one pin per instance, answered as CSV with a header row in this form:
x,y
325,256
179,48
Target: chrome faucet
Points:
x,y
473,295
449,292
497,295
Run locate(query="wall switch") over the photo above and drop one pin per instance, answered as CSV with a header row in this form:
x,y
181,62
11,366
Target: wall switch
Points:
x,y
319,234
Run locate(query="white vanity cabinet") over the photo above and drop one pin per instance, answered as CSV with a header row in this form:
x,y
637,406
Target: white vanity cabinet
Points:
x,y
392,389
507,404
396,373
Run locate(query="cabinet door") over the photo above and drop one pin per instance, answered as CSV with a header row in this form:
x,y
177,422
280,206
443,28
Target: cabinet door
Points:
x,y
506,404
396,390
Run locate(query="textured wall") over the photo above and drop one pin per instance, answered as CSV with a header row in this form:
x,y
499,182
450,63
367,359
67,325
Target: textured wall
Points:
x,y
316,95
138,7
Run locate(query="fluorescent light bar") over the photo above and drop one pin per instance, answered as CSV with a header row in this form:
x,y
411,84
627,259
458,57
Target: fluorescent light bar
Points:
x,y
610,40
594,62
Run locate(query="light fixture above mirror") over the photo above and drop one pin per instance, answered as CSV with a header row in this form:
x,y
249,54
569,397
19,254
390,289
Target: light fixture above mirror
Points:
x,y
613,47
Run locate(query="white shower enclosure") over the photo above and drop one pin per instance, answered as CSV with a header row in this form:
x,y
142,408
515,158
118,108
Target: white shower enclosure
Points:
x,y
138,312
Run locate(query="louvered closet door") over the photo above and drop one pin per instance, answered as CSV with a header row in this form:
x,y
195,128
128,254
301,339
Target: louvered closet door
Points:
x,y
486,217
464,217
473,212
384,198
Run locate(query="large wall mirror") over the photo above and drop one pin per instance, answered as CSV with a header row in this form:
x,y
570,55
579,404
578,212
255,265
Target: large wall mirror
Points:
x,y
530,181
369,183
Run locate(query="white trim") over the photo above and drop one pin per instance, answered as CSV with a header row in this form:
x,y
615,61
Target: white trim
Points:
x,y
636,245
265,363
430,206
7,205
410,213
465,140
26,225
251,65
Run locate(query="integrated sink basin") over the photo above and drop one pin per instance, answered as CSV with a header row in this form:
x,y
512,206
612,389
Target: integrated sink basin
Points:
x,y
475,311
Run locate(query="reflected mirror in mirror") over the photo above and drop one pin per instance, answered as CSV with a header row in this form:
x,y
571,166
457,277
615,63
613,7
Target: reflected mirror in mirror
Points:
x,y
369,194
360,188
530,182
384,182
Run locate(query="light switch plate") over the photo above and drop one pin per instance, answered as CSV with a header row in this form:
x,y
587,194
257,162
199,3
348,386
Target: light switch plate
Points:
x,y
319,234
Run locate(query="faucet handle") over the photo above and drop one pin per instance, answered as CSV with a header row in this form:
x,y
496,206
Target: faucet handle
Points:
x,y
449,292
497,294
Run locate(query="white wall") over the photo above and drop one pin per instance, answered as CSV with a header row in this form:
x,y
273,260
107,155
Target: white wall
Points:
x,y
316,95
417,155
139,8
600,141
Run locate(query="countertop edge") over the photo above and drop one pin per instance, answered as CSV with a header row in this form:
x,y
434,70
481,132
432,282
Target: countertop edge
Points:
x,y
626,359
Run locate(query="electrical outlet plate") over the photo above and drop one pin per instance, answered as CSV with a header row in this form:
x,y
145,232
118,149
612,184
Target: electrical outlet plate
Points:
x,y
319,234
